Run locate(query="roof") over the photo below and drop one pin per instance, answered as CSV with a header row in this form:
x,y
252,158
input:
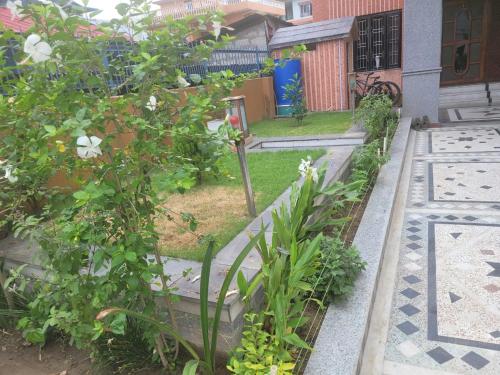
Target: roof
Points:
x,y
16,24
21,25
338,28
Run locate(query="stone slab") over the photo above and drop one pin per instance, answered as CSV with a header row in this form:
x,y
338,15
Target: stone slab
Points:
x,y
340,343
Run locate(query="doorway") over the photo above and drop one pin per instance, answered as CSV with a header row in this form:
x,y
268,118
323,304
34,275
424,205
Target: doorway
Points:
x,y
471,42
465,29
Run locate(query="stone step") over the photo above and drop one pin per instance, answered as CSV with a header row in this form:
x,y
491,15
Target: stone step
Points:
x,y
464,103
464,96
495,86
463,99
481,87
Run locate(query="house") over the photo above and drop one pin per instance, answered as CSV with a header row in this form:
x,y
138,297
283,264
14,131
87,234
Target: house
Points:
x,y
22,25
298,12
251,23
428,47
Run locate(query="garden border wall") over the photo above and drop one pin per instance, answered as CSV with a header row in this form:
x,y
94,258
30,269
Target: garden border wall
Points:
x,y
17,252
338,162
340,344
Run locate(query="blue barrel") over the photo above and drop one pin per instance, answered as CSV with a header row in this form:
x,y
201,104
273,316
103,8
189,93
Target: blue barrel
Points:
x,y
283,74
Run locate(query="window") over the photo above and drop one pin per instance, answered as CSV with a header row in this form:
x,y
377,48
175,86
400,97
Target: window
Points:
x,y
305,9
188,4
379,43
288,10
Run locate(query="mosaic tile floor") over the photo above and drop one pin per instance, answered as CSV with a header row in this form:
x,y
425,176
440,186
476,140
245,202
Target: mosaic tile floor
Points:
x,y
446,306
474,113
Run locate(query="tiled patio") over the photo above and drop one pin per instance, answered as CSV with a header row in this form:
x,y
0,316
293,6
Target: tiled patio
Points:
x,y
445,315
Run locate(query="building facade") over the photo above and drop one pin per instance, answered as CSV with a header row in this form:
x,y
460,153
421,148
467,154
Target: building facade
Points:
x,y
298,12
421,45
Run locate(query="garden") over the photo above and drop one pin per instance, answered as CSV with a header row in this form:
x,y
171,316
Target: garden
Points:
x,y
109,178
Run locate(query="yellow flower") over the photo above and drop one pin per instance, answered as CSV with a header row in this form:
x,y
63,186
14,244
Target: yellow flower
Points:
x,y
60,146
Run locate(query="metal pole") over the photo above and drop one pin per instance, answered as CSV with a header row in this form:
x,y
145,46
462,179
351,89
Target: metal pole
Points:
x,y
240,147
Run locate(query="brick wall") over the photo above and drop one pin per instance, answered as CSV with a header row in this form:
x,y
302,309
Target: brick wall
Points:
x,y
328,9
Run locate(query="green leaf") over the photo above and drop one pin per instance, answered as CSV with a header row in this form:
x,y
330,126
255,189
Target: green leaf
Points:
x,y
118,324
122,9
204,283
295,340
190,367
117,260
242,283
131,256
225,287
35,336
51,129
81,195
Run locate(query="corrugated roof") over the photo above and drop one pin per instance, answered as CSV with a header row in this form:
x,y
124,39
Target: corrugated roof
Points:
x,y
14,23
313,32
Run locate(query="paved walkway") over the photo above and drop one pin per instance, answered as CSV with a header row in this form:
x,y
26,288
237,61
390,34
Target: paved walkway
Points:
x,y
445,314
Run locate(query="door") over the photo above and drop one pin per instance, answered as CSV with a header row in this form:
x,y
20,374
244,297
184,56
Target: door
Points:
x,y
462,55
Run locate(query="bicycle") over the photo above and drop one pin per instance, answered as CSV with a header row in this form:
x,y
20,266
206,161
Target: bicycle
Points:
x,y
371,85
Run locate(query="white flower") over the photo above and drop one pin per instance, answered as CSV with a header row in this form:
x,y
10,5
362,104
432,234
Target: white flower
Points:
x,y
304,166
88,147
151,103
196,78
15,8
182,82
306,169
38,50
217,26
9,174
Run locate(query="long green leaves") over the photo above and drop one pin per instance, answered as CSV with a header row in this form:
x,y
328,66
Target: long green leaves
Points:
x,y
210,347
204,283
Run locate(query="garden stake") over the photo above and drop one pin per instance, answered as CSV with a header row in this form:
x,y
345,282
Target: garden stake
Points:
x,y
240,149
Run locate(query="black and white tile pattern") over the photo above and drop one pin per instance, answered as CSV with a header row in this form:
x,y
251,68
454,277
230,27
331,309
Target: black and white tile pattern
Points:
x,y
474,113
446,305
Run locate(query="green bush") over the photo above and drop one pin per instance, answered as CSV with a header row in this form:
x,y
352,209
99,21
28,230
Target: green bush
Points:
x,y
374,111
258,351
366,162
341,266
295,93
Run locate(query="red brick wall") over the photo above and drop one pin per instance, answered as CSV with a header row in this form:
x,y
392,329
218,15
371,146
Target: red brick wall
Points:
x,y
328,9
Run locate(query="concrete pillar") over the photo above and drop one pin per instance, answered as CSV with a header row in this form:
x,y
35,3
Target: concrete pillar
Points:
x,y
422,22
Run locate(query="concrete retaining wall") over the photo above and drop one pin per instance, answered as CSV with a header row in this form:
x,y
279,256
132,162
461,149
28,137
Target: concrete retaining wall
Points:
x,y
341,340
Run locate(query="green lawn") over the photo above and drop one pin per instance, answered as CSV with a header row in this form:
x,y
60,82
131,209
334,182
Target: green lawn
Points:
x,y
314,124
219,205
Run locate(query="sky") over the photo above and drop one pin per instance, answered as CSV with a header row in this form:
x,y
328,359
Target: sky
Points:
x,y
107,7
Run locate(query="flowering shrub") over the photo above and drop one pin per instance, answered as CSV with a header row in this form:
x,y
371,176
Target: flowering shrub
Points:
x,y
63,116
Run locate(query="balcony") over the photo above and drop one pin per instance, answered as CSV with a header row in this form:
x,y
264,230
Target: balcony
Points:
x,y
184,8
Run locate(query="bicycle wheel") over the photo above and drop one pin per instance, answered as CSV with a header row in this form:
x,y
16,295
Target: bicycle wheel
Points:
x,y
396,92
387,88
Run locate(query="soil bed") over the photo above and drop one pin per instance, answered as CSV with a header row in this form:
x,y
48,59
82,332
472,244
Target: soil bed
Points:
x,y
19,358
313,312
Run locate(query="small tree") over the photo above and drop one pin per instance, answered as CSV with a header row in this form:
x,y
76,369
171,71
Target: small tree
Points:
x,y
295,93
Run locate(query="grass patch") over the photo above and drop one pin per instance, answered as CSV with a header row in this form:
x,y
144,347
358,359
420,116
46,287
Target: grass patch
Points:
x,y
314,124
220,206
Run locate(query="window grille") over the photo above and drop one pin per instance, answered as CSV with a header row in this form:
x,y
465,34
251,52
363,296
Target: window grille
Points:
x,y
379,42
306,9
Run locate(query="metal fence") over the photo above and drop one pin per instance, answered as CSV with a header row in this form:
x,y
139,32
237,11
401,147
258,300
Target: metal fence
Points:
x,y
239,60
